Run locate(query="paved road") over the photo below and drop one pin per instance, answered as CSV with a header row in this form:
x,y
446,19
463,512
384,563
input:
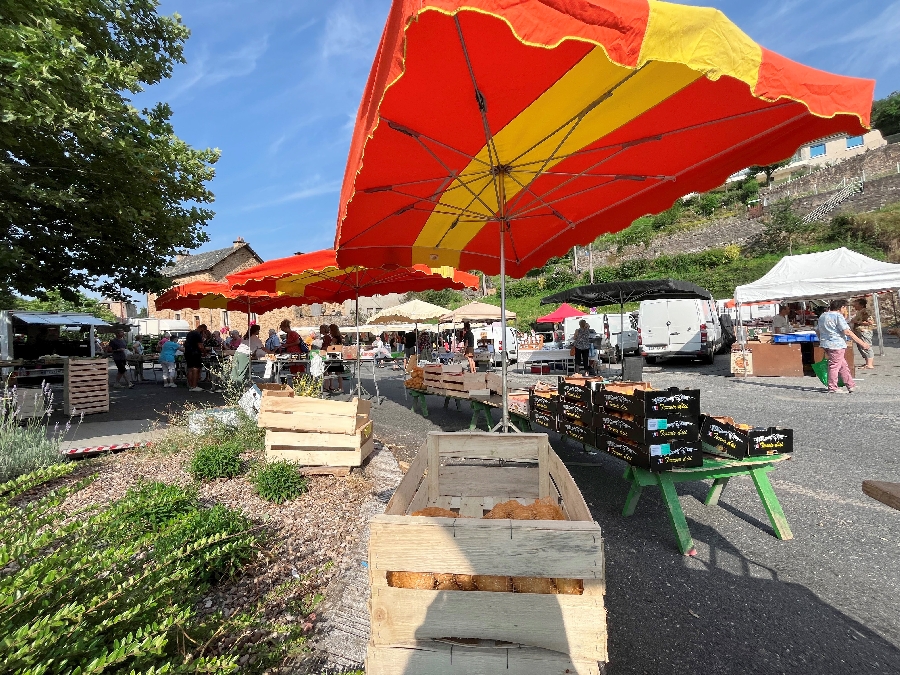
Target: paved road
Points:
x,y
825,602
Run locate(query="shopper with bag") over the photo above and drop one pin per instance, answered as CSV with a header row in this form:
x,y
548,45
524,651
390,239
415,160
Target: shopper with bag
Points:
x,y
581,343
833,330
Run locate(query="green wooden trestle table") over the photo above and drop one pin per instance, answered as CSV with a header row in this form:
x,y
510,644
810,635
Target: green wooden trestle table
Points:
x,y
720,471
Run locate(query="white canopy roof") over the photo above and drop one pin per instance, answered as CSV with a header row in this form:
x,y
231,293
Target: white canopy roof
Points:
x,y
830,274
59,319
414,311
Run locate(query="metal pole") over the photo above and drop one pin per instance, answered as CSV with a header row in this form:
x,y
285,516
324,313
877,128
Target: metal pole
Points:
x,y
591,260
878,324
92,338
358,384
504,428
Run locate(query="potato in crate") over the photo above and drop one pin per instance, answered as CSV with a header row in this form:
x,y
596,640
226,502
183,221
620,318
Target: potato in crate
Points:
x,y
487,559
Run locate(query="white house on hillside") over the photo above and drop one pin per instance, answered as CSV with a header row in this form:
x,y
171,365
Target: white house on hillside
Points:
x,y
831,150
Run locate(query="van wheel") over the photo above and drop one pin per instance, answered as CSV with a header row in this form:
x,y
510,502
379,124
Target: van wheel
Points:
x,y
650,360
709,359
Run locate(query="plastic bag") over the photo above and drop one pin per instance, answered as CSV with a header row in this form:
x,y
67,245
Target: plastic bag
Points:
x,y
821,371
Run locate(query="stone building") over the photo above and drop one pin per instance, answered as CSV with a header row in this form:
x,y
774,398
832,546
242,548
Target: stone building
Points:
x,y
215,266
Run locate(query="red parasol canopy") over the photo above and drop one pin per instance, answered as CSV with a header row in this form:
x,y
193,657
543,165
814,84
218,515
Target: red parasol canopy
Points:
x,y
212,295
317,277
564,311
556,121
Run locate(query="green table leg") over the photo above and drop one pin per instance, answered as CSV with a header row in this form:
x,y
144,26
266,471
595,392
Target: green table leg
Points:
x,y
634,494
715,491
770,503
676,515
446,402
420,397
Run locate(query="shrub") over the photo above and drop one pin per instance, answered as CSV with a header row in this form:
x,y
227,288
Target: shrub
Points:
x,y
216,461
149,507
708,204
89,600
279,482
25,444
202,524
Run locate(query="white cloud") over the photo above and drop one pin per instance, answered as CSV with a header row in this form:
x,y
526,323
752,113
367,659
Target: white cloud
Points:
x,y
347,32
308,191
206,70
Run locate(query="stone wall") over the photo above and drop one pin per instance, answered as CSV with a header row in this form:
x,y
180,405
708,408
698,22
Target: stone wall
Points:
x,y
874,163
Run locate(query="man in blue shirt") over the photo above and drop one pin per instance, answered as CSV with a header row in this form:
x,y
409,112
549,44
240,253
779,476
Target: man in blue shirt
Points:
x,y
832,329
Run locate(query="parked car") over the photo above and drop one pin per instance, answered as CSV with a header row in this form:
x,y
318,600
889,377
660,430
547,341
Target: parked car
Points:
x,y
688,328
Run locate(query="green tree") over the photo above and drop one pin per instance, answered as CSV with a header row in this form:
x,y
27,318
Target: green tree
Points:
x,y
886,114
55,302
93,192
768,169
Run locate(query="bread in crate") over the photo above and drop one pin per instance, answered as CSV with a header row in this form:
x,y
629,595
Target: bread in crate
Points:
x,y
314,432
416,379
537,584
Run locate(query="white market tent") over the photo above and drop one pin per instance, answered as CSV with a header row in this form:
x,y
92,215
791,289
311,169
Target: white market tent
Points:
x,y
830,274
840,273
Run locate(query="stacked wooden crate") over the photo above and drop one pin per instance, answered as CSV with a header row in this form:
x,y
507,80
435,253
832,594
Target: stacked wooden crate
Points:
x,y
433,631
86,388
432,375
324,436
276,389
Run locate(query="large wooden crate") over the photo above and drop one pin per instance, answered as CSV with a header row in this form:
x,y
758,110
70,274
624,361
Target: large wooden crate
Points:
x,y
317,433
276,389
429,632
86,386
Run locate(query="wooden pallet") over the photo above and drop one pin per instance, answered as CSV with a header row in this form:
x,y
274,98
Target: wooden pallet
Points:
x,y
86,388
539,633
330,435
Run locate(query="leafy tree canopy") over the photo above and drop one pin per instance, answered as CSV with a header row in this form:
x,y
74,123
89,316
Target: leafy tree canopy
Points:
x,y
93,192
53,301
768,169
886,114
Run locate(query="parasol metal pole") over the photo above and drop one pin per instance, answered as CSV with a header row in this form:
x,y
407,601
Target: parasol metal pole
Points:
x,y
591,260
356,313
878,324
504,423
621,331
92,336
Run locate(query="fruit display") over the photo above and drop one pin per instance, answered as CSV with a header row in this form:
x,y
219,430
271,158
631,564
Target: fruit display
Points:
x,y
416,379
541,509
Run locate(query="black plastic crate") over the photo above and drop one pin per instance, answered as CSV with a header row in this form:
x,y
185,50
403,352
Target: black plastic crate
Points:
x,y
654,403
721,436
548,421
652,430
656,457
576,412
579,433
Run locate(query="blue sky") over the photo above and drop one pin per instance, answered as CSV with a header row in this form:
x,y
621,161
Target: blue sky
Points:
x,y
275,85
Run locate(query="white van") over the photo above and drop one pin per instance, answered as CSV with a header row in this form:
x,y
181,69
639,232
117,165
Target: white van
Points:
x,y
608,326
491,333
679,328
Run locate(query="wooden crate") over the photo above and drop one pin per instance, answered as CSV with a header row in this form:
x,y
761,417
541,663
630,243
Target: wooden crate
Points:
x,y
431,632
86,386
276,389
317,433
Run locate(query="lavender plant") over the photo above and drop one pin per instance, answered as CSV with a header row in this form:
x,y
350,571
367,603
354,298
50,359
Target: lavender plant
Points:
x,y
27,442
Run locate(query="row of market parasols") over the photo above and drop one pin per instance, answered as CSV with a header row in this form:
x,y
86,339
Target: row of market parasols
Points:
x,y
493,136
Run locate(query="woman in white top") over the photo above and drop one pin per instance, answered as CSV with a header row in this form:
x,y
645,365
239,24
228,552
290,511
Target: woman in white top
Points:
x,y
257,348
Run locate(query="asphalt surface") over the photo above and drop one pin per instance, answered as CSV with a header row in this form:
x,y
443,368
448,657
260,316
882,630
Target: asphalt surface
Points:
x,y
827,601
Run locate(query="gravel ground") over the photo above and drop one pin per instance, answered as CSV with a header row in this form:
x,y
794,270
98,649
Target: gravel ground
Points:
x,y
825,602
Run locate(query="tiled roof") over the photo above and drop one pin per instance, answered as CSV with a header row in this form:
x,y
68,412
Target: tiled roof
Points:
x,y
200,262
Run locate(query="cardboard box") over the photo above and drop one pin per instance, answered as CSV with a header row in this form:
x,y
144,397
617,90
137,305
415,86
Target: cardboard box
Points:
x,y
654,403
582,434
656,457
548,421
493,382
721,436
576,412
653,430
546,403
579,390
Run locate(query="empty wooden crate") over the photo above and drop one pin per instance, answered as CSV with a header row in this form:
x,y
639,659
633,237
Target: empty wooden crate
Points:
x,y
314,432
86,388
458,631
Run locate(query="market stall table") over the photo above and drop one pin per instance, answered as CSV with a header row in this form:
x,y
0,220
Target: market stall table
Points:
x,y
720,470
563,356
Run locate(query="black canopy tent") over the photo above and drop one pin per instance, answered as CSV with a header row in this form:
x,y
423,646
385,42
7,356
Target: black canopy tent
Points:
x,y
620,292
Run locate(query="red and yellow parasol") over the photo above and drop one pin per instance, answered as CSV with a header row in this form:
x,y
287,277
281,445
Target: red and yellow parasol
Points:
x,y
213,295
495,134
317,277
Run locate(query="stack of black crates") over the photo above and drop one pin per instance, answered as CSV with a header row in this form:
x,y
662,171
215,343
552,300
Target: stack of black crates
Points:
x,y
652,429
